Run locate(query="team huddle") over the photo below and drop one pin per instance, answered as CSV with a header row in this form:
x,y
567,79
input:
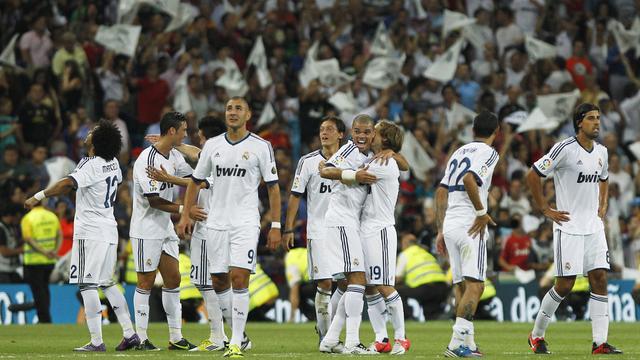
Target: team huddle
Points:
x,y
351,193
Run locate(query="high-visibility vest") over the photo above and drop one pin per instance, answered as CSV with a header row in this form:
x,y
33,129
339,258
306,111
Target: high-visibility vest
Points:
x,y
489,290
130,275
43,227
297,258
422,267
187,289
261,288
581,284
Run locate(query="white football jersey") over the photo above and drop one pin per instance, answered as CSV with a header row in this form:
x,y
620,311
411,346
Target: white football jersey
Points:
x,y
346,201
147,222
379,208
236,170
475,157
97,183
204,200
307,180
576,176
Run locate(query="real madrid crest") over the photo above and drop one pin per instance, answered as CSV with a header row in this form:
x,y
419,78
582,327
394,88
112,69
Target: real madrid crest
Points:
x,y
600,162
245,156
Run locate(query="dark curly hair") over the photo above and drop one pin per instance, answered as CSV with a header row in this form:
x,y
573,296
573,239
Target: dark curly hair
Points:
x,y
106,140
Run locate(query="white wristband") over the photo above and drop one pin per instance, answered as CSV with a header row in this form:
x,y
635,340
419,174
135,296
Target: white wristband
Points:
x,y
482,212
349,175
180,208
276,225
40,195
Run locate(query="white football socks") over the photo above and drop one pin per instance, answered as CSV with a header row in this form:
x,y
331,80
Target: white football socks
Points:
x,y
323,311
141,307
548,307
173,309
599,311
120,307
353,305
396,313
240,314
376,308
93,313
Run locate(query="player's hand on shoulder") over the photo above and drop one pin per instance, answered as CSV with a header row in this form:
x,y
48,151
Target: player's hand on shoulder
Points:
x,y
158,174
30,203
383,157
365,177
557,216
322,164
480,225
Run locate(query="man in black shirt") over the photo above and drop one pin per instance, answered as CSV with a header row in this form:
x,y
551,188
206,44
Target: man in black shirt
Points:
x,y
10,245
38,123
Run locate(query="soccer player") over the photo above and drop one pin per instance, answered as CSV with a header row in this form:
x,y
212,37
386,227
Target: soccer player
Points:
x,y
580,173
343,232
378,234
153,239
461,215
201,249
95,237
308,181
236,161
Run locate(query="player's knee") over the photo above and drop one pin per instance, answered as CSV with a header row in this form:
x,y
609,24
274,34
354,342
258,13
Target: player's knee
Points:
x,y
564,285
385,290
220,282
356,278
145,280
240,278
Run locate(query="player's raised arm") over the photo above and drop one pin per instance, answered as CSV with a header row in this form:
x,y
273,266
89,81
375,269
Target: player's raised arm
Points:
x,y
163,176
62,186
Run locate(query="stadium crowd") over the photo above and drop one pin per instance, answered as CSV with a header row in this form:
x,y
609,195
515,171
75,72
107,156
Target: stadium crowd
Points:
x,y
64,82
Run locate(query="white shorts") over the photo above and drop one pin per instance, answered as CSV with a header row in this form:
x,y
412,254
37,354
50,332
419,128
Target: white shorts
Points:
x,y
380,249
345,250
92,262
579,254
319,259
467,255
236,247
202,255
147,252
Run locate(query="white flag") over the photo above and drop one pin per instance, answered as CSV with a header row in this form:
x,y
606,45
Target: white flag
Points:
x,y
558,107
454,20
460,117
627,39
344,102
382,72
186,14
267,115
232,80
472,34
258,58
416,155
538,49
444,68
420,13
537,120
8,56
121,38
127,11
181,101
308,72
382,45
329,74
516,117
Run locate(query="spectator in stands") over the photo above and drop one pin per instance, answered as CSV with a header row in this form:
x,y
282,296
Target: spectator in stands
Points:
x,y
152,95
58,165
70,50
36,45
515,252
507,33
515,200
8,123
12,166
579,65
11,246
541,254
112,114
36,168
38,123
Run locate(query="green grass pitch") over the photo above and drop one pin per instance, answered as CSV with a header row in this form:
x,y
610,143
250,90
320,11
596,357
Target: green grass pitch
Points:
x,y
299,341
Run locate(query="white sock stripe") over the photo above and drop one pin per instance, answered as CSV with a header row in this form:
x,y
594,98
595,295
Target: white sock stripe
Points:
x,y
554,295
240,291
393,298
176,290
599,297
143,291
85,287
374,302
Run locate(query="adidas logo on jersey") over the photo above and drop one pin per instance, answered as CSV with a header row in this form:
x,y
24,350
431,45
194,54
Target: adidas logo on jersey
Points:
x,y
579,162
234,171
585,178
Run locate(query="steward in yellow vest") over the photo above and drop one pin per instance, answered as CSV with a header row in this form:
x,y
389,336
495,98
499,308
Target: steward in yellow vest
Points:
x,y
301,288
263,293
42,236
419,276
